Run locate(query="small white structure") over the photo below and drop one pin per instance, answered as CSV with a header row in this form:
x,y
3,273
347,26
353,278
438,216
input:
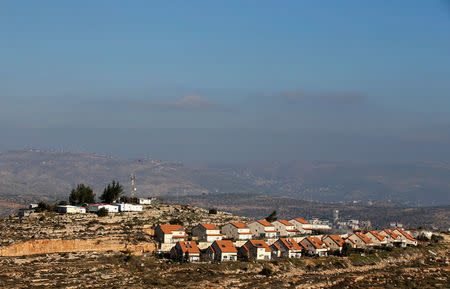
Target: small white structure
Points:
x,y
302,226
68,209
315,246
377,238
285,228
32,206
223,250
94,208
145,201
124,207
262,228
256,250
170,233
237,231
207,232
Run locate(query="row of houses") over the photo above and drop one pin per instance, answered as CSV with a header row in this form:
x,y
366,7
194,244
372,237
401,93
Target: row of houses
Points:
x,y
260,249
241,232
94,208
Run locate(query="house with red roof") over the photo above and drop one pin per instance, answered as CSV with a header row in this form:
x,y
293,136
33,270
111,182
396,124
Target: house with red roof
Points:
x,y
315,247
376,238
406,237
301,225
391,237
263,229
207,232
334,241
255,250
237,231
285,228
170,233
223,250
359,240
288,248
185,251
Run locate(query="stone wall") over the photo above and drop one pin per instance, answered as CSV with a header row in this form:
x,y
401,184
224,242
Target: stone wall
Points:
x,y
46,246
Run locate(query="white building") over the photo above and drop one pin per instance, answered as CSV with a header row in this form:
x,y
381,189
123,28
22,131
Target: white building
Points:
x,y
223,250
94,208
301,225
377,238
207,232
359,240
237,231
146,201
285,228
70,209
185,251
124,207
262,228
170,233
406,237
335,242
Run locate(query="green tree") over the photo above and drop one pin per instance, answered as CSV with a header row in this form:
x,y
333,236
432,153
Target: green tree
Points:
x,y
82,194
112,192
272,217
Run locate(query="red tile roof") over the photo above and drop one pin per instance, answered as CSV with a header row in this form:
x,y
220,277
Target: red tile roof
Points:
x,y
210,226
408,236
300,220
284,222
290,244
189,247
168,229
376,235
275,246
317,243
225,246
265,223
259,244
337,239
240,225
364,238
391,234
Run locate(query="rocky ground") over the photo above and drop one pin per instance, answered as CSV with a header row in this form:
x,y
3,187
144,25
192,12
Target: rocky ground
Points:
x,y
401,268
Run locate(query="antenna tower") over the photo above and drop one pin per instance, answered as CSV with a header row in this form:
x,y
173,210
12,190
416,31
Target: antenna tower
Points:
x,y
133,188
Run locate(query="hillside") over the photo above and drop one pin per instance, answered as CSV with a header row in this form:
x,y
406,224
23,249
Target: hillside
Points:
x,y
30,176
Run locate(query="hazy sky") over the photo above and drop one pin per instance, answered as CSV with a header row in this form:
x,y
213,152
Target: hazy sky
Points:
x,y
228,80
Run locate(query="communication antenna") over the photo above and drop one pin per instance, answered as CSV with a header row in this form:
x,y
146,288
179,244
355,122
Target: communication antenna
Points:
x,y
133,188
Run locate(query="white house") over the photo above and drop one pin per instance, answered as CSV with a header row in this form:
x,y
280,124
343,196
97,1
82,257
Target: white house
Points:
x,y
285,228
70,210
237,231
315,246
335,242
377,238
255,250
359,240
223,250
124,207
94,208
207,232
185,251
170,233
262,228
145,201
289,248
301,225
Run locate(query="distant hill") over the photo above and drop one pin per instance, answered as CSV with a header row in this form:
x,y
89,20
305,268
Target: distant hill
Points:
x,y
33,175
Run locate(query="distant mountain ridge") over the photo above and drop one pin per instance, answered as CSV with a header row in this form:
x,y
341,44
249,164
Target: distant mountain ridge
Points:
x,y
33,175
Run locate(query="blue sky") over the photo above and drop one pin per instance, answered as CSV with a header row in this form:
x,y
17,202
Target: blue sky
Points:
x,y
326,80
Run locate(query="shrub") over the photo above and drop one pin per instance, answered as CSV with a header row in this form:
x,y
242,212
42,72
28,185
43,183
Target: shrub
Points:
x,y
212,211
266,271
103,212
